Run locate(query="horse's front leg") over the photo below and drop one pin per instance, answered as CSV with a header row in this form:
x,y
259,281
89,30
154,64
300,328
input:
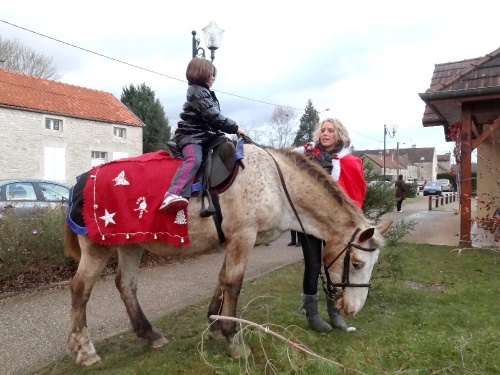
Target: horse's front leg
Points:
x,y
225,299
92,262
129,260
215,307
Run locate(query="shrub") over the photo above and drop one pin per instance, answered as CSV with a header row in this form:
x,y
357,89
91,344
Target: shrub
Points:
x,y
31,239
411,190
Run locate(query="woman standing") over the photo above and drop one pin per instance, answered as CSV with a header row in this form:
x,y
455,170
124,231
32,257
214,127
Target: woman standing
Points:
x,y
400,192
330,148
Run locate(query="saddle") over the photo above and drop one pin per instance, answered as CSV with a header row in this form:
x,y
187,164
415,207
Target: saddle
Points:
x,y
217,172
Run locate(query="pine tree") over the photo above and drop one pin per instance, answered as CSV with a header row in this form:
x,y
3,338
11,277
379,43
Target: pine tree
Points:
x,y
308,122
142,102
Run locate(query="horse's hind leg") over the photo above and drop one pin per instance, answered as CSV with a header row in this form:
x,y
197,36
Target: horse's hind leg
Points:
x,y
129,260
92,262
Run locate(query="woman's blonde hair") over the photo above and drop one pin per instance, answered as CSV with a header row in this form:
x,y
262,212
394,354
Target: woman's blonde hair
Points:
x,y
199,71
340,131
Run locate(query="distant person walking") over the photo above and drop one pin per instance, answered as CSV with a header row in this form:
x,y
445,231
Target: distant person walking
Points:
x,y
400,192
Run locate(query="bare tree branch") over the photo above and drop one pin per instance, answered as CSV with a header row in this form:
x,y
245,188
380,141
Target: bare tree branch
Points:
x,y
282,130
23,59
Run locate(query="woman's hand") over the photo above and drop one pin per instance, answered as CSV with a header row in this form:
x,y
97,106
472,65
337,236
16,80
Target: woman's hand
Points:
x,y
240,132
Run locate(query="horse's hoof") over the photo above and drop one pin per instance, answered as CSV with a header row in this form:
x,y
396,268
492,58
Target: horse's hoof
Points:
x,y
158,343
87,359
237,351
217,335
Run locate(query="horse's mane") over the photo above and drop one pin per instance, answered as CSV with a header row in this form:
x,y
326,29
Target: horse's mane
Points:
x,y
306,165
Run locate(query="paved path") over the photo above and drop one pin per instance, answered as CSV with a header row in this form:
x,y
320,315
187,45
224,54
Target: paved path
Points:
x,y
34,326
440,226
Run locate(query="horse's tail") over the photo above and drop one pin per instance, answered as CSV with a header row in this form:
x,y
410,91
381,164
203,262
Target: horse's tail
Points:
x,y
71,245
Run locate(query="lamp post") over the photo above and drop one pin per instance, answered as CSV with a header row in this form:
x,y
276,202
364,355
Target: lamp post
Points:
x,y
392,133
397,156
213,37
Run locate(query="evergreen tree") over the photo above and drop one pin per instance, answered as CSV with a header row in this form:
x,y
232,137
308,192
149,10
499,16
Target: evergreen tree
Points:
x,y
308,122
142,102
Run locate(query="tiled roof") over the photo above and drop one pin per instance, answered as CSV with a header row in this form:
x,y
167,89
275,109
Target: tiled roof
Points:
x,y
414,155
455,80
379,161
467,74
32,93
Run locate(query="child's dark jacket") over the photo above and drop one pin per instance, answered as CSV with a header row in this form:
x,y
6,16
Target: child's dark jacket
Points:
x,y
201,117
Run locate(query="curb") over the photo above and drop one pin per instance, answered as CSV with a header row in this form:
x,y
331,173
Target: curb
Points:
x,y
33,290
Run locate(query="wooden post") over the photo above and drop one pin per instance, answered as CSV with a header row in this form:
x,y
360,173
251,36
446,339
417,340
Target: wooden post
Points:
x,y
430,202
465,177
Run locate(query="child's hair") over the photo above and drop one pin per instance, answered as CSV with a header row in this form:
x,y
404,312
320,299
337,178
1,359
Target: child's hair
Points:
x,y
199,71
340,131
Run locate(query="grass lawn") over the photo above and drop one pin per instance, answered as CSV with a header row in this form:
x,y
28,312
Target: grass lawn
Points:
x,y
430,311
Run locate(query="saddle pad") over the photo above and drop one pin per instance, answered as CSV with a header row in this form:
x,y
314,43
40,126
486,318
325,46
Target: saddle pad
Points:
x,y
121,200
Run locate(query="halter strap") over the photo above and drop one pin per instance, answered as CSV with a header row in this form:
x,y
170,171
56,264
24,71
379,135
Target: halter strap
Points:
x,y
331,288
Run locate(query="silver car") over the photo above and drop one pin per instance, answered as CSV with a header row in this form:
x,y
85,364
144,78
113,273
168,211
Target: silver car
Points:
x,y
446,185
26,195
433,188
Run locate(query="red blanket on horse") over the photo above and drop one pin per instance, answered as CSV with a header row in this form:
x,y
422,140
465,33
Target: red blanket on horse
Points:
x,y
121,200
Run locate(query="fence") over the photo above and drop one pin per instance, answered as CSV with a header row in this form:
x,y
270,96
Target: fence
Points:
x,y
442,200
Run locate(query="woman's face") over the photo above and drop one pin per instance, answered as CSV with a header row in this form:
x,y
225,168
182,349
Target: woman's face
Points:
x,y
327,136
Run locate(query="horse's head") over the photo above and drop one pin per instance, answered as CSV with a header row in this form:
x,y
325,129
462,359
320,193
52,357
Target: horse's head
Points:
x,y
349,271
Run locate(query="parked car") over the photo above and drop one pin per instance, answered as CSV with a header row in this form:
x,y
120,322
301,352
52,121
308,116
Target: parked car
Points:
x,y
433,188
446,185
421,185
26,195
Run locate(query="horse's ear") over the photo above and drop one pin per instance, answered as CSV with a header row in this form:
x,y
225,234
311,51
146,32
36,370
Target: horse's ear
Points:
x,y
384,227
366,235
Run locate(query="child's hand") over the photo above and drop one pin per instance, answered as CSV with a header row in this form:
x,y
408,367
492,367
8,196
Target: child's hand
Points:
x,y
240,132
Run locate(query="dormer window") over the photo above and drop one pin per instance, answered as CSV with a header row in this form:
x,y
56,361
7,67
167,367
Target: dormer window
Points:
x,y
53,124
120,132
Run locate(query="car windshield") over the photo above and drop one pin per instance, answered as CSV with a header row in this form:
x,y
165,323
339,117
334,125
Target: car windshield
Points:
x,y
433,184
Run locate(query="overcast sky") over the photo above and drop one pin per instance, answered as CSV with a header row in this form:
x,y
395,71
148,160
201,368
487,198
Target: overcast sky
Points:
x,y
364,60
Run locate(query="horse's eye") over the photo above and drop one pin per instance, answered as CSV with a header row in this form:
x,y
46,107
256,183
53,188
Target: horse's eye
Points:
x,y
358,264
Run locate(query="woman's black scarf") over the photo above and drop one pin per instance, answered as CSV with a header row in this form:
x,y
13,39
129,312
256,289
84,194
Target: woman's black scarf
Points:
x,y
323,157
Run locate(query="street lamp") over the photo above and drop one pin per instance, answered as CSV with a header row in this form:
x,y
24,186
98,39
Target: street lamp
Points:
x,y
397,156
392,133
213,37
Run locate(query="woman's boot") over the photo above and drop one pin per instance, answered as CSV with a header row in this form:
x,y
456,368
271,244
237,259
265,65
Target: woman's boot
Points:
x,y
336,318
293,234
310,310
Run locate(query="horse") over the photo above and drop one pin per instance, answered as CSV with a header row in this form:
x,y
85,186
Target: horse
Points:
x,y
277,191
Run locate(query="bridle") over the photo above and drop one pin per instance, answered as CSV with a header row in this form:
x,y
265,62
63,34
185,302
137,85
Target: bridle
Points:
x,y
332,289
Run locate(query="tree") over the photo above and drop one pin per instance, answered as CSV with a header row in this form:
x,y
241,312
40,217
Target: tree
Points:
x,y
307,123
23,59
142,102
282,122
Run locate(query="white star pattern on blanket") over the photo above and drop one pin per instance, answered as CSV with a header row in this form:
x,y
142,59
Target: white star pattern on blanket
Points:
x,y
108,218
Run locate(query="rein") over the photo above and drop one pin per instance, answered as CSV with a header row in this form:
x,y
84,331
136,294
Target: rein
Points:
x,y
282,179
329,287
